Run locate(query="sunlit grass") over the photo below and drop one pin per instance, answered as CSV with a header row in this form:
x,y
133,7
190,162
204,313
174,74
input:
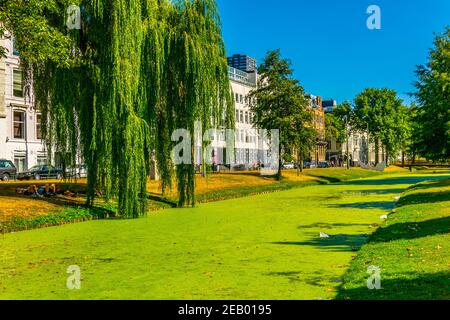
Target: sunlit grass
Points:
x,y
261,247
412,250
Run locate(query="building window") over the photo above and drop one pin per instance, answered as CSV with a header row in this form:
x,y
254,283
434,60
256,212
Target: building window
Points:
x,y
19,125
241,116
18,83
41,160
237,98
19,162
241,98
38,127
15,51
246,117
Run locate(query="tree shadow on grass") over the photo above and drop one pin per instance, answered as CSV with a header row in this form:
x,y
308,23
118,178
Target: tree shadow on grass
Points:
x,y
393,181
336,243
412,230
430,184
369,192
424,197
325,178
315,279
383,205
320,225
427,286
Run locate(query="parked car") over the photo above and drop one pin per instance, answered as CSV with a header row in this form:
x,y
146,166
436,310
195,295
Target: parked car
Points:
x,y
7,170
324,165
79,171
40,172
310,165
288,166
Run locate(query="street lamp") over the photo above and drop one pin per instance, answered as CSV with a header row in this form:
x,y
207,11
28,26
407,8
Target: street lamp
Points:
x,y
346,138
368,145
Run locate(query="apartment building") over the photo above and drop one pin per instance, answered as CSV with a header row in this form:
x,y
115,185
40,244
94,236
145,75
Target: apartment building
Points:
x,y
328,106
242,62
249,147
20,122
318,123
248,143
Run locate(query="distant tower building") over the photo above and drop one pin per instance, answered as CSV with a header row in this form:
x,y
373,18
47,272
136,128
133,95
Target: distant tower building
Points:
x,y
329,105
242,62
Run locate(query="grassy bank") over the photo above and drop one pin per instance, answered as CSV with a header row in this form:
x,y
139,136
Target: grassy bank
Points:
x,y
18,212
412,249
226,186
259,247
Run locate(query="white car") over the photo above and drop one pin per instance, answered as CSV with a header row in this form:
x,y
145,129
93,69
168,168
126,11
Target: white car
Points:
x,y
79,171
288,166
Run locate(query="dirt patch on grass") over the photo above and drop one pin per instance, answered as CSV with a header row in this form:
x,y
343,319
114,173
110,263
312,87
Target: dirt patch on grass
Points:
x,y
25,208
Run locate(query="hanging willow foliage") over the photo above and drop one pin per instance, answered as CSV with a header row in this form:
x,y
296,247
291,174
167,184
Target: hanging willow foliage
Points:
x,y
139,70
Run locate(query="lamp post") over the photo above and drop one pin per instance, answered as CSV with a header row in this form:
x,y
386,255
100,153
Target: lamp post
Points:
x,y
368,145
347,147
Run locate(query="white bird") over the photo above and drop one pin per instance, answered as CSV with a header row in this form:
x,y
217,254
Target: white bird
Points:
x,y
324,235
397,198
384,217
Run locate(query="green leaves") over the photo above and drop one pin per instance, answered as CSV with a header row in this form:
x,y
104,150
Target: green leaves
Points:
x,y
39,29
142,69
282,104
433,95
382,112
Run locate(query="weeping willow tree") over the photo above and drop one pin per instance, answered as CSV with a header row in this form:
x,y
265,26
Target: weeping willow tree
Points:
x,y
138,70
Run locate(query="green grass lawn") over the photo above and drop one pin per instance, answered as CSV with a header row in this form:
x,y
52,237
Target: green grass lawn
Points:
x,y
259,247
412,250
19,212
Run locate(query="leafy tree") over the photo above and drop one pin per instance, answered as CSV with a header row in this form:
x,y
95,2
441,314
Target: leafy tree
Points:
x,y
433,95
405,122
281,103
304,140
135,71
379,111
344,111
37,35
335,127
415,146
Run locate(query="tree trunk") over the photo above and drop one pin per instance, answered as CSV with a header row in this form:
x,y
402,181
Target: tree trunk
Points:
x,y
280,164
377,152
300,163
413,161
403,158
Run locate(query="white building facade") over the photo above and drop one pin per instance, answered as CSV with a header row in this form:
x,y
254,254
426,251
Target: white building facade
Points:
x,y
20,123
245,147
250,146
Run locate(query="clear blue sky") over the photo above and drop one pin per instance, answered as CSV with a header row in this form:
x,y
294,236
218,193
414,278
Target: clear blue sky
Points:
x,y
332,51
